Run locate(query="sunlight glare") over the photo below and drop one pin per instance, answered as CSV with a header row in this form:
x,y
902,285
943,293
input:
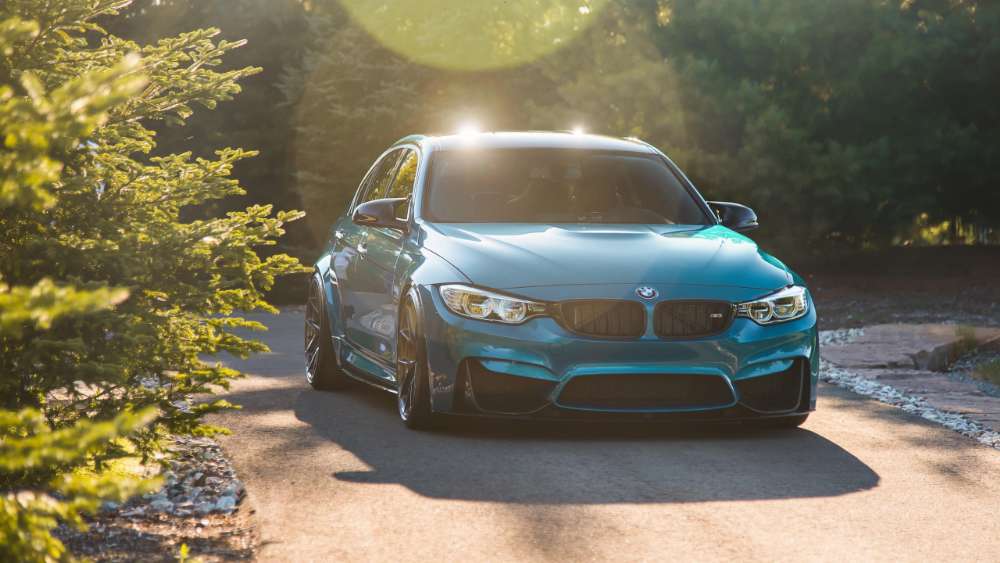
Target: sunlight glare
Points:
x,y
468,128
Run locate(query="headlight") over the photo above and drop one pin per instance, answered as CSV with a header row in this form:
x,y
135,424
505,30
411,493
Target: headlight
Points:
x,y
488,306
786,305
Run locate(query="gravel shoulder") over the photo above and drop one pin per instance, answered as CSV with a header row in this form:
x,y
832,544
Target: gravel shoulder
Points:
x,y
200,505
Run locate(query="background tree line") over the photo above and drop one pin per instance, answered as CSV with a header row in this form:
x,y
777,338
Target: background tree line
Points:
x,y
848,125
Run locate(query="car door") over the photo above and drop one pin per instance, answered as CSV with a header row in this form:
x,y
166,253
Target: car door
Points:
x,y
383,249
360,283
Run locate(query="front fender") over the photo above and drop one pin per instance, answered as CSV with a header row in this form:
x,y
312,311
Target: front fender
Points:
x,y
418,271
323,269
419,266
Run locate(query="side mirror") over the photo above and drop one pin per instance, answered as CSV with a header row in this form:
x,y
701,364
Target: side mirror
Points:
x,y
380,213
739,218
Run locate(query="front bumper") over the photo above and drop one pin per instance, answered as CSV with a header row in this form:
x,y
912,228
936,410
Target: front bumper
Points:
x,y
539,369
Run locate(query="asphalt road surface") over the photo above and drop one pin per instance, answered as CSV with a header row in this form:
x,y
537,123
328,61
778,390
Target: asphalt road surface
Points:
x,y
336,477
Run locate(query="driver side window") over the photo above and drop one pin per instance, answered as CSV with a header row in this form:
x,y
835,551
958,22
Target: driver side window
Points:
x,y
379,179
402,184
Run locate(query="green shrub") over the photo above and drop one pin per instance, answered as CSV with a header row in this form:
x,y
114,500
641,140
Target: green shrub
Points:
x,y
36,470
108,298
110,215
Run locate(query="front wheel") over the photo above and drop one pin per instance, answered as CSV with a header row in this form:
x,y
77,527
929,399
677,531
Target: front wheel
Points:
x,y
322,371
413,397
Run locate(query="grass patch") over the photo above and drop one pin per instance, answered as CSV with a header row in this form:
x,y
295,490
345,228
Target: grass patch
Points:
x,y
988,371
128,466
967,341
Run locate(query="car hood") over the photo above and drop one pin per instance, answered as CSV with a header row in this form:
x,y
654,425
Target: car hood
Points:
x,y
507,256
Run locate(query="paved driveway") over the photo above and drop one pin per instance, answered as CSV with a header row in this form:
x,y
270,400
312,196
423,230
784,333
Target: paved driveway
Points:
x,y
335,476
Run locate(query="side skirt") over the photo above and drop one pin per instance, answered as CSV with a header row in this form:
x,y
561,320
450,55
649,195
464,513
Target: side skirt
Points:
x,y
359,365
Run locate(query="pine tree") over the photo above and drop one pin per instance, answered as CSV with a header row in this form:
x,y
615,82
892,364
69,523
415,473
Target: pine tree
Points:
x,y
108,300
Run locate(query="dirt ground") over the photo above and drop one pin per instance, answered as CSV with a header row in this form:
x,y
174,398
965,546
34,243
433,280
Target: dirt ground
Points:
x,y
215,537
919,285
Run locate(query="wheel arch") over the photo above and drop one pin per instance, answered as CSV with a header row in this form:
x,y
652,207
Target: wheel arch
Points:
x,y
327,279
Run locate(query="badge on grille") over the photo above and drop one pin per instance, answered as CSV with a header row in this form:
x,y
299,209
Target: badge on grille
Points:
x,y
647,292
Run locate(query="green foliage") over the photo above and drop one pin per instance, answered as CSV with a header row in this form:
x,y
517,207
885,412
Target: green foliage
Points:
x,y
845,124
352,97
988,370
851,124
114,220
855,116
275,34
108,298
35,467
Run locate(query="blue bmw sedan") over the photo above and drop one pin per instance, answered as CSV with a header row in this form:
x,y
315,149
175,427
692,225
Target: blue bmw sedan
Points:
x,y
556,275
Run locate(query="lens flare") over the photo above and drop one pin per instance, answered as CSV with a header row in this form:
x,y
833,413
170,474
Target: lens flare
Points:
x,y
463,35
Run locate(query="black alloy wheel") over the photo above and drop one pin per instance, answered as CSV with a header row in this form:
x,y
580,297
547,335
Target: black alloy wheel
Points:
x,y
322,371
413,391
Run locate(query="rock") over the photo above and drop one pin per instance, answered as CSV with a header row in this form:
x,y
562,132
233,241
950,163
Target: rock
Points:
x,y
204,507
109,506
161,505
211,481
914,346
233,489
226,503
137,511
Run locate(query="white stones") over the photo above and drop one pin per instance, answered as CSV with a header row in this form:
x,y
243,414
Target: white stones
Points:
x,y
233,489
161,505
840,336
134,512
226,504
199,481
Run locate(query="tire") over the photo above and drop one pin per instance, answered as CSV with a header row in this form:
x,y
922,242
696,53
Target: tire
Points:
x,y
413,397
322,371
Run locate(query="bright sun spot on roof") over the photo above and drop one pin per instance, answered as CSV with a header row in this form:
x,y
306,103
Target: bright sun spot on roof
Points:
x,y
577,129
468,128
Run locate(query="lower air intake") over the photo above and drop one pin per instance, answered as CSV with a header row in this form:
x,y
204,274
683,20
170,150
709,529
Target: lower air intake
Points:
x,y
777,392
501,393
647,391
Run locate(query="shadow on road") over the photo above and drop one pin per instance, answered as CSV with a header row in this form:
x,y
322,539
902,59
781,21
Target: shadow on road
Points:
x,y
538,463
572,464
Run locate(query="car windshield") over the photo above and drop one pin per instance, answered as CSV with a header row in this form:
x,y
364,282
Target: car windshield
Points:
x,y
556,186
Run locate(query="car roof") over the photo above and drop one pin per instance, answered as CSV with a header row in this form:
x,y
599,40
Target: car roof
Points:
x,y
527,140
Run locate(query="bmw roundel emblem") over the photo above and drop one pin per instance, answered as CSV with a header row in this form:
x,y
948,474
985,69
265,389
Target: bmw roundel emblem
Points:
x,y
647,292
